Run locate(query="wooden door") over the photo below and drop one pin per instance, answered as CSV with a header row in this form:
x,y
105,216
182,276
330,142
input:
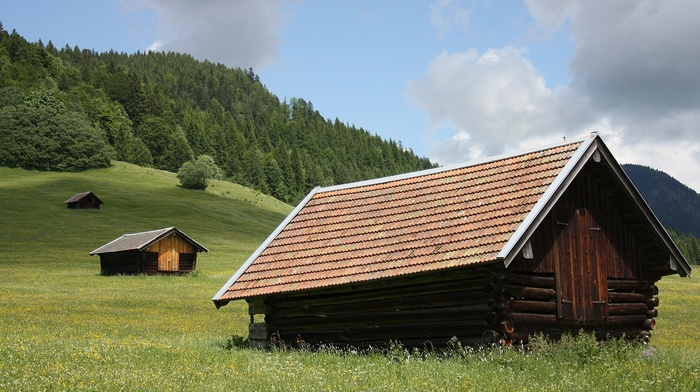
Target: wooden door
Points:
x,y
169,260
581,280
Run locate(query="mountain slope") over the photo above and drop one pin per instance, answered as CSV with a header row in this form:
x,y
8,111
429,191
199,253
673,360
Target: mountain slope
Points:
x,y
38,228
675,205
164,109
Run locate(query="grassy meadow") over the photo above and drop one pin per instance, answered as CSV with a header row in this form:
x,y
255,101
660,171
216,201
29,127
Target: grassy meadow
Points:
x,y
63,327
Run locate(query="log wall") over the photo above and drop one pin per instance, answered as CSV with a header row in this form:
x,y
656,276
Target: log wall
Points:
x,y
533,309
590,268
77,205
135,262
126,263
420,311
187,263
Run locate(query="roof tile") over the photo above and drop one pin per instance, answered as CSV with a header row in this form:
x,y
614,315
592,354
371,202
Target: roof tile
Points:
x,y
404,225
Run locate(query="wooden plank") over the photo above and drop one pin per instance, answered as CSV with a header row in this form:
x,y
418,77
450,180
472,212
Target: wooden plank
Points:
x,y
532,280
534,320
627,308
474,298
256,306
257,331
525,306
616,297
386,318
533,293
628,284
466,276
342,296
626,320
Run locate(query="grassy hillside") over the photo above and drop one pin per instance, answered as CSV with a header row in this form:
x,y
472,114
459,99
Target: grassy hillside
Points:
x,y
59,308
65,327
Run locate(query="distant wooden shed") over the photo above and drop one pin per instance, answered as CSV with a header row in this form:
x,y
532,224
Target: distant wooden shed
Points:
x,y
84,200
163,251
551,240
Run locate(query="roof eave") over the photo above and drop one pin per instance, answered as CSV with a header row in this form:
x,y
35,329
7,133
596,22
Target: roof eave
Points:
x,y
168,231
560,184
419,173
216,299
547,201
97,250
642,205
163,233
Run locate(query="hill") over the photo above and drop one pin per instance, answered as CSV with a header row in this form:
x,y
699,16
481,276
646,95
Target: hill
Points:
x,y
70,109
676,205
38,228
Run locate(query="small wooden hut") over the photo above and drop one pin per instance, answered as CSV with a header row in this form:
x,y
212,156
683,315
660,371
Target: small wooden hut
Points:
x,y
553,240
84,200
163,251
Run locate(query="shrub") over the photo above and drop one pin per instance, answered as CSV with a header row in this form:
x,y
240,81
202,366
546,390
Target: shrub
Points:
x,y
195,174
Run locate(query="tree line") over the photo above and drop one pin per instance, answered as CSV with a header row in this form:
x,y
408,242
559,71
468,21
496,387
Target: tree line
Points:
x,y
72,109
688,244
675,204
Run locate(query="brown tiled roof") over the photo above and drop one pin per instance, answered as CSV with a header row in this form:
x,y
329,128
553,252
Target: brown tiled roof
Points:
x,y
424,221
140,241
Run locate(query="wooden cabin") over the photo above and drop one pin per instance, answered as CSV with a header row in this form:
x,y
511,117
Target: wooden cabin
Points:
x,y
553,240
84,200
163,251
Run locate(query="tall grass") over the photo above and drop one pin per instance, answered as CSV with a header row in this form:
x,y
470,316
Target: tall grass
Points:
x,y
63,327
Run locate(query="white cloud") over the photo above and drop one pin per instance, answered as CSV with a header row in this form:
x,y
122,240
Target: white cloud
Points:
x,y
156,46
634,78
637,57
241,33
495,101
446,16
550,15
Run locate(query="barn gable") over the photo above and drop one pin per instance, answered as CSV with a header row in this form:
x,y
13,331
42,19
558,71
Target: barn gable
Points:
x,y
474,251
84,200
167,250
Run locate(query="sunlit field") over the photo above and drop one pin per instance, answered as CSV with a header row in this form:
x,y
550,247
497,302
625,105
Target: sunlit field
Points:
x,y
64,327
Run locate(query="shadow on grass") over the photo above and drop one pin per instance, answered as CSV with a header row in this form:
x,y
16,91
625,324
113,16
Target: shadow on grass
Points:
x,y
234,342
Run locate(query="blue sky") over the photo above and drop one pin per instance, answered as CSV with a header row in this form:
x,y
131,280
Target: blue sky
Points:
x,y
452,80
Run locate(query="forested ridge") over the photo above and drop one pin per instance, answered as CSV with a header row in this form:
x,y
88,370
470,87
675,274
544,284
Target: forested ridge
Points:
x,y
676,205
71,109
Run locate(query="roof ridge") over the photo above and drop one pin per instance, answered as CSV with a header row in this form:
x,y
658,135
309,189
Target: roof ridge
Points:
x,y
486,186
148,231
464,165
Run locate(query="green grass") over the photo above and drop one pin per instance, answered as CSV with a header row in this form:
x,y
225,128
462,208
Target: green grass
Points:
x,y
65,327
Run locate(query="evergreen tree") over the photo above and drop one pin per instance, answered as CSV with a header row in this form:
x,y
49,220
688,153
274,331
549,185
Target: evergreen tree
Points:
x,y
41,134
167,143
162,109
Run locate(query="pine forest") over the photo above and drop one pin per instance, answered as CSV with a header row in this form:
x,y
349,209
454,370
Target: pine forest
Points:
x,y
71,109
